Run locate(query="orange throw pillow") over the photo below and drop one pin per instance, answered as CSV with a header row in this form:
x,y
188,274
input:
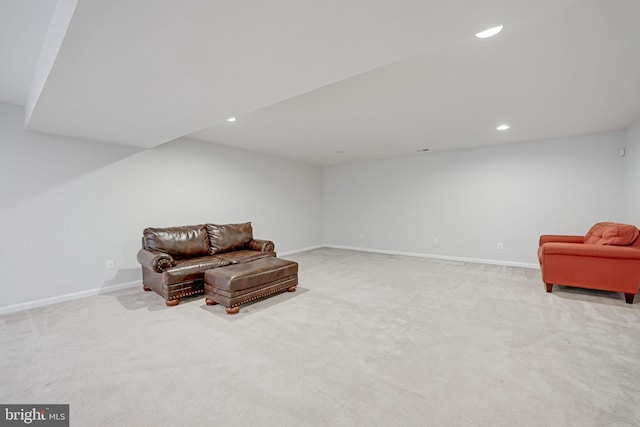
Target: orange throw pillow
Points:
x,y
611,233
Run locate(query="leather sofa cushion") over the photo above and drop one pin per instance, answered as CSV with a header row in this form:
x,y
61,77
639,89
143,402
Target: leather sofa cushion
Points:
x,y
611,233
193,269
180,242
228,237
237,257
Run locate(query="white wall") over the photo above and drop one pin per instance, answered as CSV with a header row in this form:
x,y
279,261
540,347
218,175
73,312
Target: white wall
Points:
x,y
69,205
472,199
632,176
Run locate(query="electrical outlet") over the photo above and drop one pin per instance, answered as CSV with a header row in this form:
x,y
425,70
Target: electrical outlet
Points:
x,y
361,235
111,264
436,240
500,245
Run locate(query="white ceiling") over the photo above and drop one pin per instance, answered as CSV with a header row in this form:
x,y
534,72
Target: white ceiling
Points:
x,y
23,26
322,82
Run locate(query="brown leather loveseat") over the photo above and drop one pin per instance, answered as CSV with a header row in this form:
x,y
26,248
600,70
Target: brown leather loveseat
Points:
x,y
174,259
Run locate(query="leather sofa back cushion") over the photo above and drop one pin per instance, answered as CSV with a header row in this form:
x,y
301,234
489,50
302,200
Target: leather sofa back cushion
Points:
x,y
611,233
179,242
228,237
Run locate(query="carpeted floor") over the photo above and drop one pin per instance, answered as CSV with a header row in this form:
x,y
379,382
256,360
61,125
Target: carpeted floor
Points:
x,y
367,340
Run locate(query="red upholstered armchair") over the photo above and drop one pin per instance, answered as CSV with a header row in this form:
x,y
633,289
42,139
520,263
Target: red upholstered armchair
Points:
x,y
607,258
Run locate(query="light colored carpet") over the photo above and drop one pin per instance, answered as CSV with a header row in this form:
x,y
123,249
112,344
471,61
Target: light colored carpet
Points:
x,y
368,340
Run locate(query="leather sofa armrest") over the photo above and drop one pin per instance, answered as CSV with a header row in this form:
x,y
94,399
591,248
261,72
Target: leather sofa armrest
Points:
x,y
545,238
261,245
597,251
156,261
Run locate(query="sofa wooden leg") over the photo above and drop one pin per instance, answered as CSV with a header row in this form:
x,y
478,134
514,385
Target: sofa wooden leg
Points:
x,y
629,298
210,301
146,289
173,302
292,289
233,310
549,286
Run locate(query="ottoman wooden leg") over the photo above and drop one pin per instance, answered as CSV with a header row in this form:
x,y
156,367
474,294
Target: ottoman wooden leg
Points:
x,y
549,286
292,289
629,298
173,302
210,301
233,310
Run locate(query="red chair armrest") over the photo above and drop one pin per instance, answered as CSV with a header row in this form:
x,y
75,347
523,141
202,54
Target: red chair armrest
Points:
x,y
545,238
599,251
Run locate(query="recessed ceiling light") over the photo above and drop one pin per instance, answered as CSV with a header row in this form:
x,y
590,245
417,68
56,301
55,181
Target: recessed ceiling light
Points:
x,y
502,127
231,119
490,32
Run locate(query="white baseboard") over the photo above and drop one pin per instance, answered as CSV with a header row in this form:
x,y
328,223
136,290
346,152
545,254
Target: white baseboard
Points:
x,y
297,251
443,257
67,297
91,292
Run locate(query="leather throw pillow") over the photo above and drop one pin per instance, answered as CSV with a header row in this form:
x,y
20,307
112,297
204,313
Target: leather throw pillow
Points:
x,y
228,237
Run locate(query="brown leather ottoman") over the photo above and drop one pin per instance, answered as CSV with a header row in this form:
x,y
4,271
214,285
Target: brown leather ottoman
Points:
x,y
237,284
